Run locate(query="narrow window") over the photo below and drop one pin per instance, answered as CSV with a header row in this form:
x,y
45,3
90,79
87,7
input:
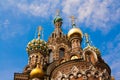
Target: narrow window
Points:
x,y
29,60
51,56
36,60
61,52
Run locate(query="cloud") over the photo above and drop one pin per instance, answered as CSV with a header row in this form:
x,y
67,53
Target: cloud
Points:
x,y
112,55
94,14
38,8
9,30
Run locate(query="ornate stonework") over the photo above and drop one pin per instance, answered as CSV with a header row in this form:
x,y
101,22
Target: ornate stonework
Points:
x,y
63,58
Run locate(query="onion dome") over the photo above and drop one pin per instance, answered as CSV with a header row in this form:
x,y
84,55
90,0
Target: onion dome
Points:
x,y
112,78
89,47
37,45
37,72
57,17
74,30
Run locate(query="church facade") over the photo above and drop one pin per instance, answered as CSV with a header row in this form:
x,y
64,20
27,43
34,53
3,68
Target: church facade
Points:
x,y
63,58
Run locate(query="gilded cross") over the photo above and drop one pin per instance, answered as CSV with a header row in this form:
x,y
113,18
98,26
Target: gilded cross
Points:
x,y
87,39
57,12
39,31
73,20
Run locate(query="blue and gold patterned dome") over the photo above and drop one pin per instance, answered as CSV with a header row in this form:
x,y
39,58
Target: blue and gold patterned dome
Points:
x,y
37,45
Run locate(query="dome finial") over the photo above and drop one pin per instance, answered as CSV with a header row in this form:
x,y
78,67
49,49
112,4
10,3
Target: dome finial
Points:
x,y
39,31
57,12
87,39
73,21
57,17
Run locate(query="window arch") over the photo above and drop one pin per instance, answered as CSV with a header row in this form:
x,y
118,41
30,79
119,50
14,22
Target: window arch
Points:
x,y
91,56
61,52
36,60
29,60
50,55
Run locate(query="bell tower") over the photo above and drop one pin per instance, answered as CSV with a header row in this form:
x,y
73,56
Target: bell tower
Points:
x,y
75,38
38,57
57,23
57,42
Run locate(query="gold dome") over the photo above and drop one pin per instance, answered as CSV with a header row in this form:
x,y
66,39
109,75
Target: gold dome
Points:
x,y
73,31
37,72
112,78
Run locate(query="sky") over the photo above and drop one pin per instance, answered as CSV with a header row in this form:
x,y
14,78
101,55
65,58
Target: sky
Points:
x,y
19,20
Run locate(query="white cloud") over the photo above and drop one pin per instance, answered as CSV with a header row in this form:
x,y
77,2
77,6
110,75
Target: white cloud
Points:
x,y
9,30
112,56
38,8
95,14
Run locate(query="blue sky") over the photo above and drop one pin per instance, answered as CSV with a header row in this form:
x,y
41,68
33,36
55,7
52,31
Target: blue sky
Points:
x,y
19,20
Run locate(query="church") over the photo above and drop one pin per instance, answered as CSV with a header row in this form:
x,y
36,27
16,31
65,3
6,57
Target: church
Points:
x,y
63,58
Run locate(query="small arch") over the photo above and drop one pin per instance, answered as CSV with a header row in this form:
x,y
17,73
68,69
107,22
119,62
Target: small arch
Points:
x,y
50,55
71,76
36,60
79,75
63,78
29,60
60,34
55,35
52,35
61,52
90,56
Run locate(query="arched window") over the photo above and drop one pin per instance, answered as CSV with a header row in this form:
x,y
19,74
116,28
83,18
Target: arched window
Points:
x,y
61,52
29,60
50,56
91,57
36,60
52,35
60,34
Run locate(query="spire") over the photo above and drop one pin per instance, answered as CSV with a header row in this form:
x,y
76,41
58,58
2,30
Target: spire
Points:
x,y
39,31
87,39
73,21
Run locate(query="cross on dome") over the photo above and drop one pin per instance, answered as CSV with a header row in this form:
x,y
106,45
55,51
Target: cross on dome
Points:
x,y
39,31
87,39
73,21
57,12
